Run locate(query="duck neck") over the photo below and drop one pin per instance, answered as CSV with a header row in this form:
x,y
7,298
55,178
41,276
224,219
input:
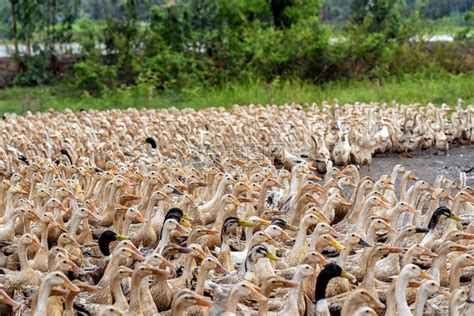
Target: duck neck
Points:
x,y
421,297
371,234
400,296
68,309
369,279
317,233
76,221
111,266
116,290
362,222
403,187
126,225
453,308
456,271
23,257
408,258
135,301
301,236
341,261
165,237
187,268
233,301
321,285
358,201
201,279
261,200
436,266
42,302
179,309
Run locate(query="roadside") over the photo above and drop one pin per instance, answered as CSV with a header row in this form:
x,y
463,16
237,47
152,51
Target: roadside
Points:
x,y
412,88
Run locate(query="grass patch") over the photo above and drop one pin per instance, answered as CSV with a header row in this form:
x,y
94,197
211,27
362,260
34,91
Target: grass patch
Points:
x,y
411,88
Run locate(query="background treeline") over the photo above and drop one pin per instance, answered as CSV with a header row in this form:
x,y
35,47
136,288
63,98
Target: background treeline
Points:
x,y
183,44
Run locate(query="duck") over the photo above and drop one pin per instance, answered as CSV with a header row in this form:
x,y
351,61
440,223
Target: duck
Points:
x,y
427,288
358,297
330,271
52,279
7,304
185,299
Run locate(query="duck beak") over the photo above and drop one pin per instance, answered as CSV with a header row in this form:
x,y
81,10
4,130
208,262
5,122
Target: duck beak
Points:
x,y
414,283
377,303
203,301
77,188
68,284
187,217
285,236
159,272
256,295
165,263
87,287
201,255
322,216
137,255
445,293
363,243
468,236
264,222
455,217
139,218
9,301
333,232
390,229
121,237
245,223
411,209
278,185
59,291
421,230
337,245
290,284
177,192
425,276
211,232
345,202
348,276
395,249
271,256
35,243
237,202
428,252
272,242
291,227
220,269
35,217
323,260
461,248
183,223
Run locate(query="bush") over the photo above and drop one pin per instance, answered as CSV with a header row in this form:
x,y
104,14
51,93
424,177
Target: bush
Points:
x,y
94,77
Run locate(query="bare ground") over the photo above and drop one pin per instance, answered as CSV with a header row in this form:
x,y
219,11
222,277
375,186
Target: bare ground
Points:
x,y
428,166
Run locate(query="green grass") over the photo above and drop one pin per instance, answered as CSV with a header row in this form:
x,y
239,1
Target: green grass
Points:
x,y
412,88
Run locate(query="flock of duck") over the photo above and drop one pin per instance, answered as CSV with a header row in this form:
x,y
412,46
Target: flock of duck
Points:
x,y
183,212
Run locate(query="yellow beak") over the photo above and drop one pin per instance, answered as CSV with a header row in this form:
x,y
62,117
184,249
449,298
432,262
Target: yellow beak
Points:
x,y
455,217
245,223
187,217
271,256
348,276
122,237
337,245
